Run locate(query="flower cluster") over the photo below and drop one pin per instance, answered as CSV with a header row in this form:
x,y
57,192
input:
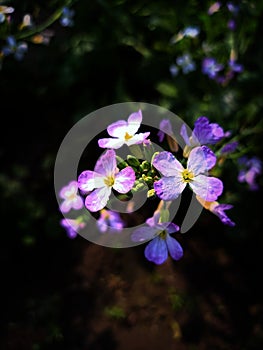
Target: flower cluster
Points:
x,y
167,175
29,29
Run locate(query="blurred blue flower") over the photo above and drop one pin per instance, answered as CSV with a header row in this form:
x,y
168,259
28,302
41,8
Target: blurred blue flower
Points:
x,y
72,226
12,47
229,147
232,8
109,220
250,168
231,24
66,19
174,70
191,32
162,243
210,67
186,63
234,66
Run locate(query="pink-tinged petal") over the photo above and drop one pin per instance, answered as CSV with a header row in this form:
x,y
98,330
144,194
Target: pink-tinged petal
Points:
x,y
77,203
65,206
106,164
124,180
169,188
97,199
167,164
156,251
137,139
134,122
201,159
71,188
143,234
118,129
110,143
171,228
88,180
184,135
208,188
154,220
174,248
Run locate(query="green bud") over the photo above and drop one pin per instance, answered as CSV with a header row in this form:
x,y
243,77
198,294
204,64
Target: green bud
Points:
x,y
133,161
122,165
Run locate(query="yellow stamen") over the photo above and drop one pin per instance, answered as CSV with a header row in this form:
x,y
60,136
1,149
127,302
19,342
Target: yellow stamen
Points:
x,y
109,181
187,175
127,136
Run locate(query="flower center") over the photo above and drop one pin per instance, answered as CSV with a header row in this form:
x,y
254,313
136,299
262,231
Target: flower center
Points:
x,y
127,136
163,234
187,175
109,181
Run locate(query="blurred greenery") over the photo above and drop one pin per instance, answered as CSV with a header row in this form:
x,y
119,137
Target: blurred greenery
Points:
x,y
118,51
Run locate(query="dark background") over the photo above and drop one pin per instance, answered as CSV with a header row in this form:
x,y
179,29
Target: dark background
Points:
x,y
71,294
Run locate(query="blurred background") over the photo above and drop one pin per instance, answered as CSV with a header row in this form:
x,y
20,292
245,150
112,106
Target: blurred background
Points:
x,y
71,58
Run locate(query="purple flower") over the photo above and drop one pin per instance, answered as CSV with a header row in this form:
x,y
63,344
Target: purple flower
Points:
x,y
162,243
204,133
250,169
124,132
210,67
214,7
176,177
103,179
174,70
72,226
231,24
191,32
235,67
218,210
186,63
165,128
232,8
66,17
17,49
71,198
229,147
109,220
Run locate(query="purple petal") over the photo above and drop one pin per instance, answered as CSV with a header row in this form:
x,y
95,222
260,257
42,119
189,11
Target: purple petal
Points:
x,y
88,180
153,221
169,188
137,139
219,210
110,143
167,164
174,248
97,199
106,164
118,129
208,188
171,228
200,160
71,188
143,234
77,203
184,135
124,180
156,251
134,122
65,206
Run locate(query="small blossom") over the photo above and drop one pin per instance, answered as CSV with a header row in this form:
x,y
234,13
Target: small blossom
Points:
x,y
229,147
71,198
174,70
105,177
109,220
210,67
124,133
232,8
191,32
231,24
72,226
214,8
17,49
162,243
251,168
66,19
5,10
186,63
176,177
234,66
218,210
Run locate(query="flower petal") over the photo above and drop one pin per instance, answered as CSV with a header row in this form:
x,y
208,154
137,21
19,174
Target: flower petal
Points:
x,y
143,234
71,188
106,164
77,203
110,143
167,164
65,206
118,129
171,228
156,251
137,139
124,180
153,221
174,248
97,199
134,122
201,159
169,188
208,188
184,135
88,180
